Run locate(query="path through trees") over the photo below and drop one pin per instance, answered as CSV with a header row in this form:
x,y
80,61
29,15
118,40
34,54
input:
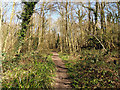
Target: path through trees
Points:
x,y
61,79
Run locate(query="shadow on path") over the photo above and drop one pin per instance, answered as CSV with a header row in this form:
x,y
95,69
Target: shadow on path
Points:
x,y
61,79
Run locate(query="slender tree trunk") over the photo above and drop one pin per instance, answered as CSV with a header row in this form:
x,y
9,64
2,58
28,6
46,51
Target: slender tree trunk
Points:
x,y
7,36
71,32
96,17
39,32
13,10
81,33
61,47
30,35
63,38
43,23
0,45
102,18
119,36
66,25
61,34
89,17
70,27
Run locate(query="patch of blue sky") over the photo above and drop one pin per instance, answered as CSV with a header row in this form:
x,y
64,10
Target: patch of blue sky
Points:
x,y
7,10
54,15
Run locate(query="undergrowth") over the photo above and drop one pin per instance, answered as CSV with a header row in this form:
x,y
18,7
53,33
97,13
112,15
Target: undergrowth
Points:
x,y
91,70
32,70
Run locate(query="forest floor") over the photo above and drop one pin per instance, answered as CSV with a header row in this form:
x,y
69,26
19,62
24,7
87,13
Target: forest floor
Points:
x,y
61,78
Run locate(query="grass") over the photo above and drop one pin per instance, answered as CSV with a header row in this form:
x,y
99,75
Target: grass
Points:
x,y
90,70
33,70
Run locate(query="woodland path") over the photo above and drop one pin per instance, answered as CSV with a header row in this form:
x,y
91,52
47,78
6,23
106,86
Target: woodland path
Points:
x,y
61,78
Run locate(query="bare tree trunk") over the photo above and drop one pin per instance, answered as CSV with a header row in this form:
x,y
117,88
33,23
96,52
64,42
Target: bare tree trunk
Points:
x,y
7,36
61,37
43,23
119,35
89,27
102,18
70,27
0,45
96,17
39,32
12,15
61,48
62,32
66,25
30,35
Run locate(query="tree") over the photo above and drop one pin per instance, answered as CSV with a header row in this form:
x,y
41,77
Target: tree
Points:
x,y
7,35
26,15
118,6
102,17
0,44
89,15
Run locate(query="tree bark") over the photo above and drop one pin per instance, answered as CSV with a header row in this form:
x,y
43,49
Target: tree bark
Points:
x,y
0,45
119,36
26,15
89,27
7,36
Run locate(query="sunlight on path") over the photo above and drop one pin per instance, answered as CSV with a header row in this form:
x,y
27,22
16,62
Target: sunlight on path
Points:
x,y
61,79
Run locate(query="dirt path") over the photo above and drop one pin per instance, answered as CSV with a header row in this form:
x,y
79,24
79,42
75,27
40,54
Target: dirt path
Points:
x,y
61,79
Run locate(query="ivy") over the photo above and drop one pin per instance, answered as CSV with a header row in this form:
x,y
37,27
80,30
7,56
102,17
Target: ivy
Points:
x,y
25,16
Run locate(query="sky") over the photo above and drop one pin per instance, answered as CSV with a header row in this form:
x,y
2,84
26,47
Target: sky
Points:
x,y
61,0
18,8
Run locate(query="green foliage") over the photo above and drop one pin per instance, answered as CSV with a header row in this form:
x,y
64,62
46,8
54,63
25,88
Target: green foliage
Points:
x,y
25,16
65,57
92,71
30,71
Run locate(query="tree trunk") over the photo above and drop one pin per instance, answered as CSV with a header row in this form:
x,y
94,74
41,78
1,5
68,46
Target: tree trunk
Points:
x,y
7,36
0,45
66,25
89,27
102,18
26,15
96,17
119,35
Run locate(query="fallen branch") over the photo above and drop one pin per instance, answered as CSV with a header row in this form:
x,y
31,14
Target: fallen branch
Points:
x,y
100,42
